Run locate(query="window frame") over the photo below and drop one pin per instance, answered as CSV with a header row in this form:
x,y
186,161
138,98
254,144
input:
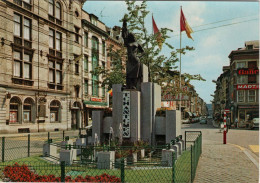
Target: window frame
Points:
x,y
240,91
24,4
52,12
252,95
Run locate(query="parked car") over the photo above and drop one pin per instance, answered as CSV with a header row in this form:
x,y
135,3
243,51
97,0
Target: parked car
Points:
x,y
203,121
255,123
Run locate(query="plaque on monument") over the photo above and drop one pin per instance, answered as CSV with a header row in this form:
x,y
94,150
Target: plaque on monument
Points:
x,y
126,114
42,110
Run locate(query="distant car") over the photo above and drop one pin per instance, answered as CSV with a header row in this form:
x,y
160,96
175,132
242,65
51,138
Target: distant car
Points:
x,y
203,121
255,123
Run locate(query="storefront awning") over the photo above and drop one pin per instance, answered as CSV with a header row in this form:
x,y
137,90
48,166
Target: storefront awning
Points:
x,y
95,104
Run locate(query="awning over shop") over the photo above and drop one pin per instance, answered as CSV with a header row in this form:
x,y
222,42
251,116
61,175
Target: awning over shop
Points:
x,y
95,104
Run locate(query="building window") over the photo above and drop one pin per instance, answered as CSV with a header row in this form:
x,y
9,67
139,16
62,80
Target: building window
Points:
x,y
240,65
55,43
251,95
77,68
241,96
22,65
27,110
55,12
22,31
86,63
241,79
93,20
94,85
55,72
76,88
103,48
95,53
86,87
103,91
24,3
15,110
76,34
55,109
86,39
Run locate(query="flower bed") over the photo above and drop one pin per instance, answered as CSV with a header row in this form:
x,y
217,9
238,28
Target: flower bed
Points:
x,y
21,173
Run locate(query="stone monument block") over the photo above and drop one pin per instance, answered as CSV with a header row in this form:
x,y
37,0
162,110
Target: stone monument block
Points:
x,y
117,108
167,159
142,153
179,144
147,111
105,160
135,115
182,144
176,150
173,124
49,150
97,125
68,156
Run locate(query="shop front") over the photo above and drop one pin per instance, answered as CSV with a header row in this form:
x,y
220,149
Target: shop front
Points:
x,y
246,113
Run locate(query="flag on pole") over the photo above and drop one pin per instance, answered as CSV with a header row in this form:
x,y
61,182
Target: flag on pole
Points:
x,y
185,26
158,34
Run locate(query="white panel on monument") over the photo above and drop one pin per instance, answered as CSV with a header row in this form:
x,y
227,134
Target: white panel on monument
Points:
x,y
126,114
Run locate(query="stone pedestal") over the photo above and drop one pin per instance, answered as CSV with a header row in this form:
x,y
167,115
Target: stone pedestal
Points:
x,y
167,157
132,158
105,160
182,144
127,112
173,125
142,153
68,156
179,144
150,101
97,125
49,150
176,150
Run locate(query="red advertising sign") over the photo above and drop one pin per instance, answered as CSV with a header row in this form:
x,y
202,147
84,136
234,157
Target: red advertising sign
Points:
x,y
247,71
94,99
247,87
13,117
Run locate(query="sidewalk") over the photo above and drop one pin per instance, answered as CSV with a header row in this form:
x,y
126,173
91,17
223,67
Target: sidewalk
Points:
x,y
224,163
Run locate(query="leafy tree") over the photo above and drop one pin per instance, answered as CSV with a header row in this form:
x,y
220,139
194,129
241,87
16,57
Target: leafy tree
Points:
x,y
161,68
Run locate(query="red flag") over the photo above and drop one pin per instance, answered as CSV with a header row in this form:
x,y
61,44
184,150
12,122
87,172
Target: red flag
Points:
x,y
185,26
155,28
157,32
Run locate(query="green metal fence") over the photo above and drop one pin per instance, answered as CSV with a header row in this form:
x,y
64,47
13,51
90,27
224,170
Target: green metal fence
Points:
x,y
149,169
26,145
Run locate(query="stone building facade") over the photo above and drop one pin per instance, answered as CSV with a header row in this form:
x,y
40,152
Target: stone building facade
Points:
x,y
38,76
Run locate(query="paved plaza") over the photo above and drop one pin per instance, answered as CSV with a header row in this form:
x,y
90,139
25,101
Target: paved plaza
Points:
x,y
235,161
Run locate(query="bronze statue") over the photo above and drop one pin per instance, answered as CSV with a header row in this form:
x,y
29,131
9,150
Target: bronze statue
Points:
x,y
133,66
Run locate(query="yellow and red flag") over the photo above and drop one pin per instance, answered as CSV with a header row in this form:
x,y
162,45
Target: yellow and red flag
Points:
x,y
185,26
110,92
159,37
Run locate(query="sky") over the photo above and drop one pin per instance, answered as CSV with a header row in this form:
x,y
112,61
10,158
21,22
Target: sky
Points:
x,y
219,27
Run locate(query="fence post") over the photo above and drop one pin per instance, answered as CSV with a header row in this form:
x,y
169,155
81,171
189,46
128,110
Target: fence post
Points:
x,y
185,140
191,162
29,143
3,149
63,135
122,169
48,136
173,167
62,171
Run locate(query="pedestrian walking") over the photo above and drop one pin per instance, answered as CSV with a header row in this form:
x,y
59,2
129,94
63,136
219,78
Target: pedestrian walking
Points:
x,y
228,123
236,122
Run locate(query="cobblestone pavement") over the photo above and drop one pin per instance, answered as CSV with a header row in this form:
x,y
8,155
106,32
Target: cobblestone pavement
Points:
x,y
226,163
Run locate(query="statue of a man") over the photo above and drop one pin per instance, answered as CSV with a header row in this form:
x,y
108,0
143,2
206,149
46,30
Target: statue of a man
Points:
x,y
133,65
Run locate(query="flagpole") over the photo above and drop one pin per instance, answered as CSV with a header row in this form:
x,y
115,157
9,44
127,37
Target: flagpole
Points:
x,y
180,70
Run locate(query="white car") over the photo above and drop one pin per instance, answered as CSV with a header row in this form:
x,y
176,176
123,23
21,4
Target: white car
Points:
x,y
255,123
